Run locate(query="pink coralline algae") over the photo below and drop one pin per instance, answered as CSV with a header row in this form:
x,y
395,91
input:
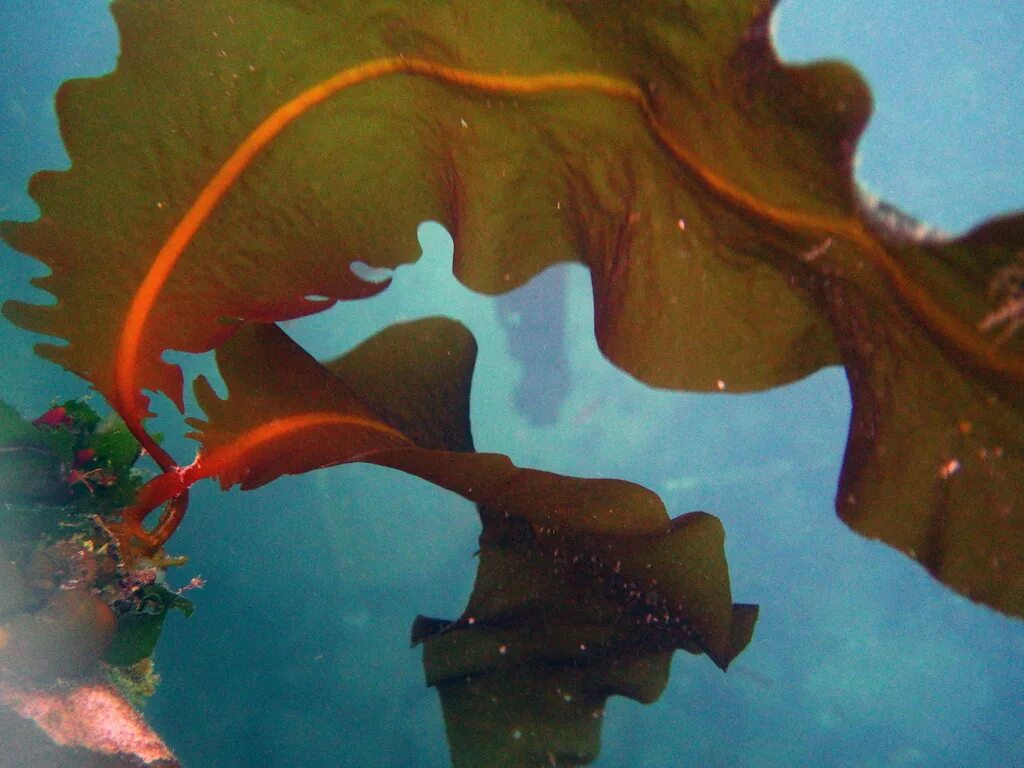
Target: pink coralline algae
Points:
x,y
93,717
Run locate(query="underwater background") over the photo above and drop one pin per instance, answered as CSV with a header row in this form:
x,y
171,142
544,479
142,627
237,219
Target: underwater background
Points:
x,y
298,653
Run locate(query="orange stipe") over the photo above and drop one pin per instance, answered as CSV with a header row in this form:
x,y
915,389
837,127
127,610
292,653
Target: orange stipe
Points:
x,y
172,486
233,454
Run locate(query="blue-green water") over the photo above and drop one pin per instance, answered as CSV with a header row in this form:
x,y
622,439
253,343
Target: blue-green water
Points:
x,y
298,654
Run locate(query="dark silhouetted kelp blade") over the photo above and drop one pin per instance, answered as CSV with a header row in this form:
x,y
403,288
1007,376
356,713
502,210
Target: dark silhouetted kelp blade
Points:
x,y
551,714
559,622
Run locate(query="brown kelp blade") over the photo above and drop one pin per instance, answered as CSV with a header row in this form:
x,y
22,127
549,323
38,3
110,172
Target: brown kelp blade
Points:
x,y
330,427
545,593
217,179
556,624
196,201
934,462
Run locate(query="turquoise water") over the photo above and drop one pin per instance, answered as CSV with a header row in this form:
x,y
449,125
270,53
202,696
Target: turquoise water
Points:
x,y
298,654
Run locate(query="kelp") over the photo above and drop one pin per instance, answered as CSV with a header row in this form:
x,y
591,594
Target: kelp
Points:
x,y
245,155
419,374
247,159
934,460
263,171
558,622
602,550
584,586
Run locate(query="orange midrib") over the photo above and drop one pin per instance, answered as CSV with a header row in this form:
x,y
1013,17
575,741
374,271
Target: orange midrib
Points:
x,y
217,460
961,336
